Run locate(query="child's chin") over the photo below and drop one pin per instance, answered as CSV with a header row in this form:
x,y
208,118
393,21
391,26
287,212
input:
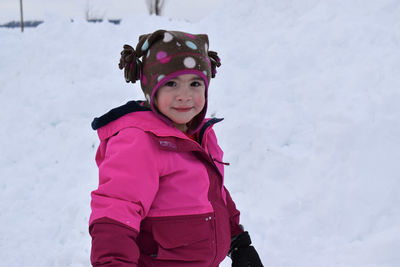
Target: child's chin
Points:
x,y
181,121
184,120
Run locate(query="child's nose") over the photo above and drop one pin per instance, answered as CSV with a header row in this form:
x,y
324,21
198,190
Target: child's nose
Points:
x,y
184,93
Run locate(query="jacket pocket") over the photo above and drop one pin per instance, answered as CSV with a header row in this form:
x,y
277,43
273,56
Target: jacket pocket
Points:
x,y
185,238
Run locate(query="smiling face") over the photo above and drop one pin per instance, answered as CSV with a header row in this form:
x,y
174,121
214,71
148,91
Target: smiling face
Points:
x,y
181,99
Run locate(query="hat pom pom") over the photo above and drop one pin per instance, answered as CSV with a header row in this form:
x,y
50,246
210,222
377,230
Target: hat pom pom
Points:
x,y
131,64
215,62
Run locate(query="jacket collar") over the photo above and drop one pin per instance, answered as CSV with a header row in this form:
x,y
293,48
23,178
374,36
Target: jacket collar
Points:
x,y
134,114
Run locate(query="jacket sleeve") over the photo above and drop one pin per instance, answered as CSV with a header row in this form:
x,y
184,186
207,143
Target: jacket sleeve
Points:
x,y
113,244
234,215
128,182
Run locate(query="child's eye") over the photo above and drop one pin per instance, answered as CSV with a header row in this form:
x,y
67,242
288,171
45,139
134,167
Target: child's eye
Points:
x,y
196,84
170,84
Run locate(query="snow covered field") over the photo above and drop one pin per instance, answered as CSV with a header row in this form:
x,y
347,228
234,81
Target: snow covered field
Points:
x,y
310,93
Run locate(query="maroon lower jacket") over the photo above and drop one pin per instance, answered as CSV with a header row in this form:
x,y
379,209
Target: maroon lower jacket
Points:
x,y
161,199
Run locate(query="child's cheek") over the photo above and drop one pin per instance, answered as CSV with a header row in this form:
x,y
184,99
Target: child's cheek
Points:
x,y
201,101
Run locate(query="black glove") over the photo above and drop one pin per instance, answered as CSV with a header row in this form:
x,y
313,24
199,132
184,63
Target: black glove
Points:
x,y
242,253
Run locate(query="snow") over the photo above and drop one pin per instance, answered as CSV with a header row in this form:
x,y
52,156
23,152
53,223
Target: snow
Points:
x,y
309,91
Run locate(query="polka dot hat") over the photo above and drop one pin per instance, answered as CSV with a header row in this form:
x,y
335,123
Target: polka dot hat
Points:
x,y
165,55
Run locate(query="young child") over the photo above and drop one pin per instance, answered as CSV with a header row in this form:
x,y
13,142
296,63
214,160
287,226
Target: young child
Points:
x,y
161,199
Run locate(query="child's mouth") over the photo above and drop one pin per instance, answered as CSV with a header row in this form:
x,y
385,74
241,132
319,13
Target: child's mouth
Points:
x,y
183,109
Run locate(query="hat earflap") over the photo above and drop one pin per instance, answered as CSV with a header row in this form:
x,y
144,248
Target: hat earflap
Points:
x,y
131,64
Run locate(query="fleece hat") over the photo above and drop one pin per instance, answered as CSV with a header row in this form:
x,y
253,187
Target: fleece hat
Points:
x,y
163,55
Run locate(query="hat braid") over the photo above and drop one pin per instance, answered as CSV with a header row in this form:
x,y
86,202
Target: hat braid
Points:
x,y
215,62
131,64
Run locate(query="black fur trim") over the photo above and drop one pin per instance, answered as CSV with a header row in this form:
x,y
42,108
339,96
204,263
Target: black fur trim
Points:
x,y
115,113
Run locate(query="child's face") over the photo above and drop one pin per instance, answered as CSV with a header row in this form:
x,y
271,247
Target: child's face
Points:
x,y
181,99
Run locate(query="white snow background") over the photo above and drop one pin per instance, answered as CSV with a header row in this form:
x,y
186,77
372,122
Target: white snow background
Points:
x,y
310,93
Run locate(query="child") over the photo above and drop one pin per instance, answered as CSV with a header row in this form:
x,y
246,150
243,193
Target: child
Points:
x,y
161,199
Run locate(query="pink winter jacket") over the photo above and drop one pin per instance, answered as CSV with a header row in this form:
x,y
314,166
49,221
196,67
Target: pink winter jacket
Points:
x,y
161,199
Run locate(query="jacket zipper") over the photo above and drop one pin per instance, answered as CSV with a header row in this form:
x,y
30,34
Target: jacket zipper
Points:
x,y
212,160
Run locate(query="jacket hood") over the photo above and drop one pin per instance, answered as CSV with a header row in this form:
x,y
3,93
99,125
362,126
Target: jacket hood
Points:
x,y
116,113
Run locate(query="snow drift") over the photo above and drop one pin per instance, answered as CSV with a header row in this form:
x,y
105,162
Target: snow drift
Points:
x,y
309,91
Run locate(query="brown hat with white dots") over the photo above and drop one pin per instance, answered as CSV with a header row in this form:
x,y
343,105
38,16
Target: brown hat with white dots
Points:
x,y
165,55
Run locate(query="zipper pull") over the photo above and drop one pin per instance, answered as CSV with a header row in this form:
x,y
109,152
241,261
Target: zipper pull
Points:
x,y
225,163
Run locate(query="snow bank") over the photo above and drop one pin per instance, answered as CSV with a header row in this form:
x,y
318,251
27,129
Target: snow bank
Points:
x,y
309,92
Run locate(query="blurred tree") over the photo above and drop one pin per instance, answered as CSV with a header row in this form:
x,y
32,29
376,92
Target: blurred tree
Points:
x,y
155,6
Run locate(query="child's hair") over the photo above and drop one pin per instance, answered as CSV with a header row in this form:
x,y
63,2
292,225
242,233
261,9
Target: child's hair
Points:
x,y
166,55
